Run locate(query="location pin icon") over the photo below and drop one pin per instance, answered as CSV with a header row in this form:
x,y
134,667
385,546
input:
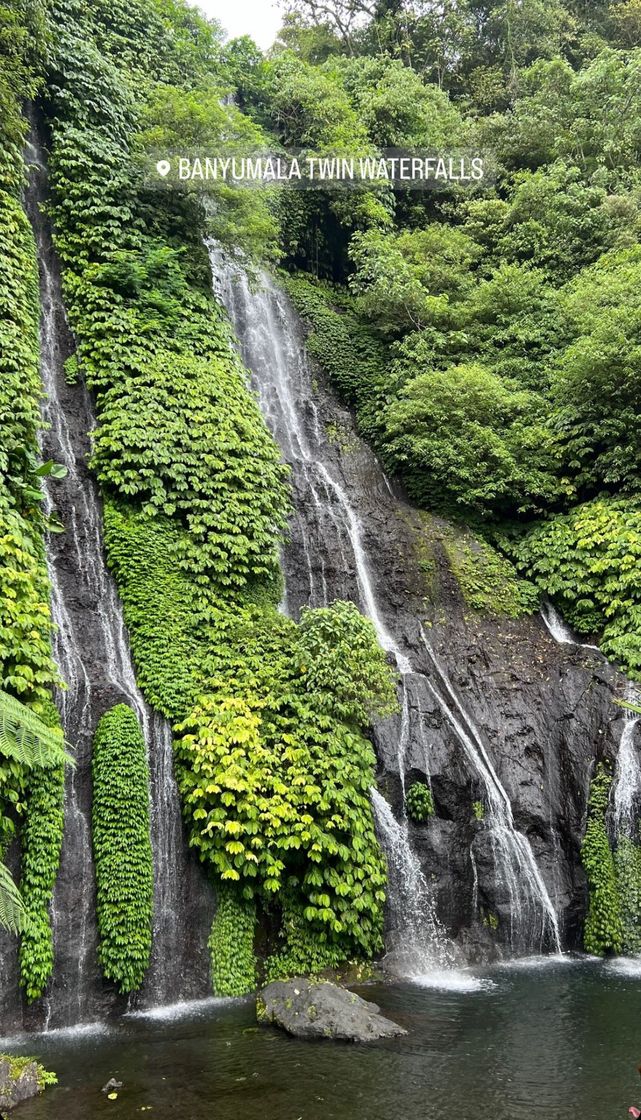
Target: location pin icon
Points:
x,y
163,167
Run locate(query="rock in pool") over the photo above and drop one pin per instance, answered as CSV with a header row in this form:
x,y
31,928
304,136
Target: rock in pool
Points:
x,y
319,1009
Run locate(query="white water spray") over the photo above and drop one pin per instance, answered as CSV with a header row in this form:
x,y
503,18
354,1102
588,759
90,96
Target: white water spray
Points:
x,y
418,942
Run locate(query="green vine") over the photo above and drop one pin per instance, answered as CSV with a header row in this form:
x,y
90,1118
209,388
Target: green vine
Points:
x,y
231,945
299,951
122,848
41,846
603,928
627,861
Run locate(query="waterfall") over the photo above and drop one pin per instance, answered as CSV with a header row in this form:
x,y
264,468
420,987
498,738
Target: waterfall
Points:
x,y
92,653
559,629
531,908
556,625
328,540
418,942
625,798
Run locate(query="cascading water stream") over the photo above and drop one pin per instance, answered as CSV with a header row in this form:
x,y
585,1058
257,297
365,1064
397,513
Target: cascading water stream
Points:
x,y
559,629
273,350
418,941
625,798
530,903
92,653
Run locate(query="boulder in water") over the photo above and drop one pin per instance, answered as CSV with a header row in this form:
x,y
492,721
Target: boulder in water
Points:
x,y
319,1009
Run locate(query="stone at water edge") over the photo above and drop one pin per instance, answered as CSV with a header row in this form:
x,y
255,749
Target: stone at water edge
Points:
x,y
20,1079
318,1009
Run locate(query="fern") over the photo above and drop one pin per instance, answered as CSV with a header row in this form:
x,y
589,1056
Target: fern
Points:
x,y
12,912
25,738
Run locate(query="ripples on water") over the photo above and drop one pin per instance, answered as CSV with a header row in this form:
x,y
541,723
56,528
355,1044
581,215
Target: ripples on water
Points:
x,y
541,1039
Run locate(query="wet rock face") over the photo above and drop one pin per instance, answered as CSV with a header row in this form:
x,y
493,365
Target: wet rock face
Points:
x,y
323,1010
545,714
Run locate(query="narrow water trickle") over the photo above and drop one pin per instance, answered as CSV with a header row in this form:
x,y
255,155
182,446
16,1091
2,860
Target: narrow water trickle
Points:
x,y
328,540
559,629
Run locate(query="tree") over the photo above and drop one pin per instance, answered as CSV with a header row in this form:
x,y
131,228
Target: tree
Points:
x,y
342,16
597,382
409,279
462,437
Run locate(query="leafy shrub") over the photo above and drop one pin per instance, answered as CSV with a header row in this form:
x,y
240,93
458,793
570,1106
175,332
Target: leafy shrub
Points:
x,y
597,382
419,802
466,437
587,562
122,848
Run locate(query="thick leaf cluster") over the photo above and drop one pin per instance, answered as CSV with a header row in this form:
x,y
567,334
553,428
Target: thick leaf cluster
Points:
x,y
122,848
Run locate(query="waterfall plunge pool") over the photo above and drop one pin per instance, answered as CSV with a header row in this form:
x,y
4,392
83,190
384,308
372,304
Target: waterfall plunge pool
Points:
x,y
552,1039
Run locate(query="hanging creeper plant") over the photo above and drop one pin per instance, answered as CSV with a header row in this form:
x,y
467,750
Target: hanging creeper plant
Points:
x,y
122,848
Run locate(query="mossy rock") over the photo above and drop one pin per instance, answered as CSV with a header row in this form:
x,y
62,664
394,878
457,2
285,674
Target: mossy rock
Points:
x,y
20,1080
312,1009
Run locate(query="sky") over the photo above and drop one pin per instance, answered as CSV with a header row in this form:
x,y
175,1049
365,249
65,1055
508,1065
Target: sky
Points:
x,y
259,18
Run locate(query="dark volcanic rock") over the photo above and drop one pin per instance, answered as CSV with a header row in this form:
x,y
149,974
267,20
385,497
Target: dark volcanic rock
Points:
x,y
309,1009
19,1082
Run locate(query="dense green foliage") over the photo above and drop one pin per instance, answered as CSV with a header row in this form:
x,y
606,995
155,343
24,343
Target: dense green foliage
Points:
x,y
627,860
122,848
276,773
231,945
486,336
299,952
588,562
419,802
603,927
269,716
30,795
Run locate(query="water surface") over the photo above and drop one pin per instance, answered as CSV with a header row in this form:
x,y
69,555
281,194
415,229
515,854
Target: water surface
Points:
x,y
548,1040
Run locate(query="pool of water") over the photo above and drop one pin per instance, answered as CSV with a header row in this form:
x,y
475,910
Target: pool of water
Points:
x,y
541,1039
